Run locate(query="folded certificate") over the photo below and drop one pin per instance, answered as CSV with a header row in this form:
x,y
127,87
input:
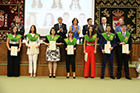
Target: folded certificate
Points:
x,y
14,50
86,56
70,50
107,48
125,48
52,45
33,49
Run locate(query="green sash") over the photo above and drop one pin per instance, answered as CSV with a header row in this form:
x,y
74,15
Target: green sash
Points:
x,y
108,38
49,37
14,39
92,39
70,43
32,38
127,35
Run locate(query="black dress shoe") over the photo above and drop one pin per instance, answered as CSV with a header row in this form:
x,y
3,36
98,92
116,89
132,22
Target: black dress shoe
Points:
x,y
112,77
118,77
91,77
86,77
74,77
102,77
128,78
67,77
50,76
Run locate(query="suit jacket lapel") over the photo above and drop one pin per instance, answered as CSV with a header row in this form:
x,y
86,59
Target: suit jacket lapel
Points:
x,y
102,28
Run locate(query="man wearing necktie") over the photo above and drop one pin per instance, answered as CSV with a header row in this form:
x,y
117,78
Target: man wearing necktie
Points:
x,y
123,38
61,29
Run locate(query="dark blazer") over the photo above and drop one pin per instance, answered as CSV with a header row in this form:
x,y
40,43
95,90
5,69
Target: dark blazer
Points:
x,y
21,29
103,41
85,29
61,33
100,30
119,47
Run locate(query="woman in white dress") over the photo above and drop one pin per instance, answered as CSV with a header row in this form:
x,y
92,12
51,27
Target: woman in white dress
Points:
x,y
32,43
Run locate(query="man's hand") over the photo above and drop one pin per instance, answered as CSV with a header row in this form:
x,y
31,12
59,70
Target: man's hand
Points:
x,y
128,53
122,43
60,29
111,48
103,51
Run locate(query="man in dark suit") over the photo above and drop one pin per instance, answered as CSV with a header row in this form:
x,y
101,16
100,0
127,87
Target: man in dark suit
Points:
x,y
102,28
123,38
61,29
86,27
107,38
19,26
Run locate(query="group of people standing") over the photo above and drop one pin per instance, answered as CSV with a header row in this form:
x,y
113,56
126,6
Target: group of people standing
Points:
x,y
104,35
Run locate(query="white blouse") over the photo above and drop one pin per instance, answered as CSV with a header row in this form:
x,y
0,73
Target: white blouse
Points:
x,y
30,43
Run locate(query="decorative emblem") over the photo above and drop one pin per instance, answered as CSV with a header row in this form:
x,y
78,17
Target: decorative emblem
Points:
x,y
138,1
118,14
125,1
36,36
6,20
111,37
1,18
131,13
132,1
134,20
17,37
106,13
126,38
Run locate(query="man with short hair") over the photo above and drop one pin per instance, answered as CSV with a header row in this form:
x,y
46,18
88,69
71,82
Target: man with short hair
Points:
x,y
19,26
118,28
123,37
61,28
86,27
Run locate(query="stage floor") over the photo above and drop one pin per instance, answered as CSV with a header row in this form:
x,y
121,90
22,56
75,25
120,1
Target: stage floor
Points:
x,y
25,84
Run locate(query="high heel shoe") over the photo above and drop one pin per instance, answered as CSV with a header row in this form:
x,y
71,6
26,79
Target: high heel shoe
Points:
x,y
74,76
31,75
68,76
54,75
50,76
34,75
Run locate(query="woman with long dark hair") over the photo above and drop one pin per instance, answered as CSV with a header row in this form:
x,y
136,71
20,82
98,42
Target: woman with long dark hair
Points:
x,y
14,45
89,50
32,43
